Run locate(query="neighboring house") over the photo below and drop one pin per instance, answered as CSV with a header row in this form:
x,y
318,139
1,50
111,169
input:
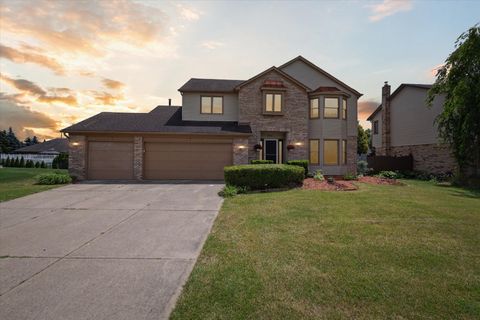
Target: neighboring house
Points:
x,y
295,111
403,124
45,151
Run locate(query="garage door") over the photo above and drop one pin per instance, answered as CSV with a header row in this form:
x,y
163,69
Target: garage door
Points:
x,y
110,160
186,160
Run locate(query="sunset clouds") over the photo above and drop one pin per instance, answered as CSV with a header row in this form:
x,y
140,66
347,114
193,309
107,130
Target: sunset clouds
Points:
x,y
389,7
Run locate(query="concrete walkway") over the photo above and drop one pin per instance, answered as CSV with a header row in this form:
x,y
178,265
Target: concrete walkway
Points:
x,y
102,251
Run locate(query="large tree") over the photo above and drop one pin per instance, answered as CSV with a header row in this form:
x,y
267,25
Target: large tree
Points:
x,y
362,140
459,81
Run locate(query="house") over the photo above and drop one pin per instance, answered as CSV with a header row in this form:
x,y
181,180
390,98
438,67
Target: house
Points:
x,y
404,125
45,151
295,111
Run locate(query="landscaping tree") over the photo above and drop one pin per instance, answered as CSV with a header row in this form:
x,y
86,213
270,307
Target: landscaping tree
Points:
x,y
60,161
459,80
43,165
35,140
16,163
12,141
7,162
362,141
27,141
21,164
37,164
3,141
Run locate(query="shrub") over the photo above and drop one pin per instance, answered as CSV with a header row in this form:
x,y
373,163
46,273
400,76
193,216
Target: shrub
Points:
x,y
21,164
7,162
228,191
43,164
53,178
362,167
388,175
60,161
319,175
261,162
29,164
349,176
300,163
37,164
263,176
16,163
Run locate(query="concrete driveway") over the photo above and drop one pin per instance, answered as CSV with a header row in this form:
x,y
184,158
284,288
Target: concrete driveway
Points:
x,y
102,251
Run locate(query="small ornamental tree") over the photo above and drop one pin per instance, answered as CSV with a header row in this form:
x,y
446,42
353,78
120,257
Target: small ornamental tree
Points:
x,y
459,81
7,162
43,165
16,163
362,141
37,164
21,164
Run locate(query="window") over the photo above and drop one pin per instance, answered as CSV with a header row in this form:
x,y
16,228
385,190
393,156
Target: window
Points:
x,y
331,108
375,127
211,105
273,102
344,108
344,151
314,147
314,110
330,152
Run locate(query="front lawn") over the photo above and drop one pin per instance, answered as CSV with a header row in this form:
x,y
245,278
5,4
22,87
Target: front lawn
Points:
x,y
19,182
383,252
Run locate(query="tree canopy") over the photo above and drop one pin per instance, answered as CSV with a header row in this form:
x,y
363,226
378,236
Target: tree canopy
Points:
x,y
459,81
362,140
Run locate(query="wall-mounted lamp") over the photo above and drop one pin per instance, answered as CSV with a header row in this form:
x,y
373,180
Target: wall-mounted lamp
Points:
x,y
75,144
241,147
298,144
290,147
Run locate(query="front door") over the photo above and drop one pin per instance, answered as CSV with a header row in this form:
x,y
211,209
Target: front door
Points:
x,y
271,150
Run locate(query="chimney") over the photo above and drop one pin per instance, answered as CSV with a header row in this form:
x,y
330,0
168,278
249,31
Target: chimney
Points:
x,y
386,119
169,102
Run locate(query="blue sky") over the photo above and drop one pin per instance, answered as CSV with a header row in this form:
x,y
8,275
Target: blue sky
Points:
x,y
57,64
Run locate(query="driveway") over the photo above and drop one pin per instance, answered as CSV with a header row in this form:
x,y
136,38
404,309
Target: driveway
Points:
x,y
102,251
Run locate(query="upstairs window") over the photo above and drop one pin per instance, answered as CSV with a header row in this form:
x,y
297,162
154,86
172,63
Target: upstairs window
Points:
x,y
331,108
344,108
314,109
273,102
211,105
375,127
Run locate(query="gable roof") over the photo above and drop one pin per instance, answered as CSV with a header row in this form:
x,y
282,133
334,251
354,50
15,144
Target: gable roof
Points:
x,y
400,88
283,74
210,85
330,90
162,119
325,73
51,146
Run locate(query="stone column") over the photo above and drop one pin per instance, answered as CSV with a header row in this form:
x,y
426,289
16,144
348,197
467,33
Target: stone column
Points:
x,y
138,158
352,155
77,146
240,151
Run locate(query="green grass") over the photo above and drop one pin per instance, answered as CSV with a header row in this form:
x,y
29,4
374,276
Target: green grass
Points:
x,y
19,182
383,252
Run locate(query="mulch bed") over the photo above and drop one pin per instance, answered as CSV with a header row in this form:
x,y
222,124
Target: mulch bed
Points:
x,y
344,185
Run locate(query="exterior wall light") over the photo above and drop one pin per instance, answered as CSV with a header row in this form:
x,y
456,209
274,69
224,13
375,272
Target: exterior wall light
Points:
x,y
241,147
290,147
75,144
298,144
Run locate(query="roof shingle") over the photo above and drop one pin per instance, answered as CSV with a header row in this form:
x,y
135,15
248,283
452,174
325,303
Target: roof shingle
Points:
x,y
210,85
54,145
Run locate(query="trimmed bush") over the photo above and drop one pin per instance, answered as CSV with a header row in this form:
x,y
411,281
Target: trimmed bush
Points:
x,y
349,176
389,175
263,176
43,164
16,163
60,161
53,178
22,163
37,164
261,162
300,163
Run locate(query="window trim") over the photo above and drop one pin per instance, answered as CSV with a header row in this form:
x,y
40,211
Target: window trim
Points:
x,y
211,102
375,127
310,151
318,108
338,151
338,107
344,116
344,152
282,104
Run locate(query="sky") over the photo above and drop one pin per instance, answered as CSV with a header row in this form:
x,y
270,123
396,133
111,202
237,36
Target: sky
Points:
x,y
64,61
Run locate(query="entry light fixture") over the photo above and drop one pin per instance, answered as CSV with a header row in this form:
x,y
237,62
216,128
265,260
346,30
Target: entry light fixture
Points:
x,y
241,147
75,144
298,144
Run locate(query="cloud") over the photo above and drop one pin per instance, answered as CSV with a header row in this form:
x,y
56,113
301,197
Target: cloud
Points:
x,y
26,87
212,44
188,13
105,98
366,108
18,56
433,72
24,121
84,27
112,84
388,8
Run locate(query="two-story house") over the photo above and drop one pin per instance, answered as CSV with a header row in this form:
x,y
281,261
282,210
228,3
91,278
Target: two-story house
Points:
x,y
295,111
404,125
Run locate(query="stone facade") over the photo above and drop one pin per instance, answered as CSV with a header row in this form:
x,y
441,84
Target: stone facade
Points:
x,y
77,156
138,158
240,151
352,154
432,158
293,122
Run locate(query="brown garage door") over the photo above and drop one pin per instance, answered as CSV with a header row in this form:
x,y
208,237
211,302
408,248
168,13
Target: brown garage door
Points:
x,y
186,160
110,160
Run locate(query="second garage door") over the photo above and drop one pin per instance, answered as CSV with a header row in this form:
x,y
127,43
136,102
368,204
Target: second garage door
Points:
x,y
110,160
186,160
